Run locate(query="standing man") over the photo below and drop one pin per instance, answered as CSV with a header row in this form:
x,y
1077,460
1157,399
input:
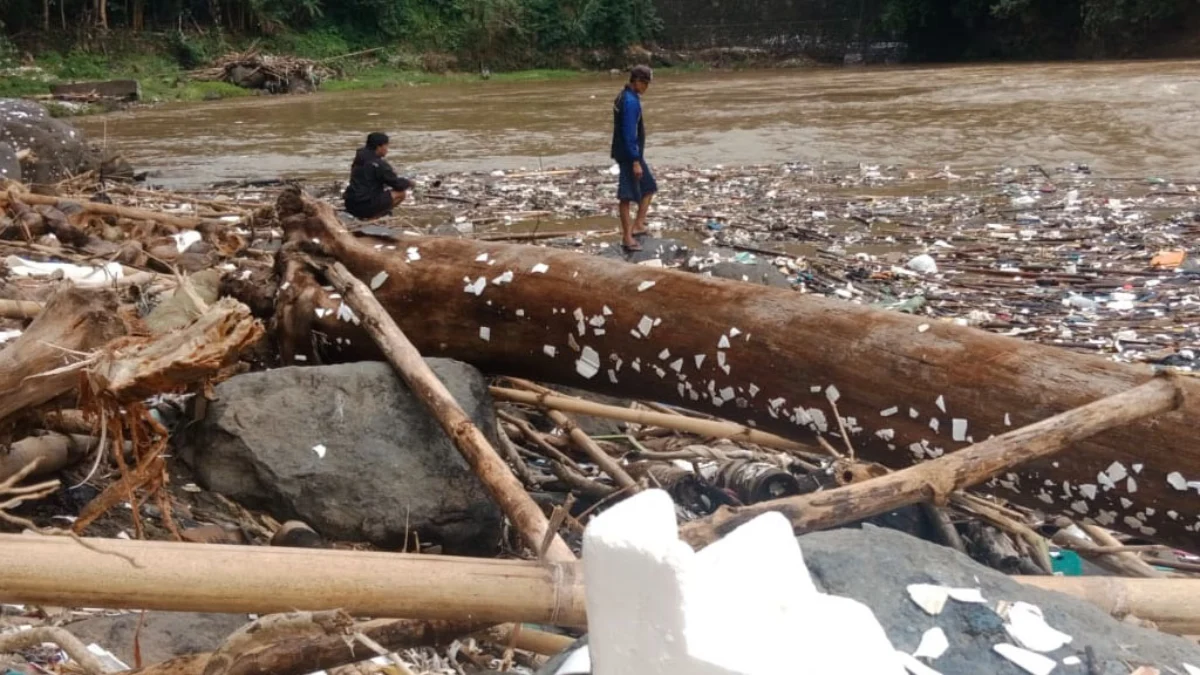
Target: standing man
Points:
x,y
374,188
636,183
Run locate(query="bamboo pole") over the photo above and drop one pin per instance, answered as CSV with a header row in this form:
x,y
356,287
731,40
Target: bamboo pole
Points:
x,y
715,429
937,479
19,309
584,442
251,579
170,576
495,475
1172,604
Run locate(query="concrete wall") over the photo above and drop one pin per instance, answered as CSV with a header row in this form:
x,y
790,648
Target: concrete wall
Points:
x,y
818,28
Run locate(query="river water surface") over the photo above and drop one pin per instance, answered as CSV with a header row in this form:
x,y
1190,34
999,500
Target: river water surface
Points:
x,y
1122,118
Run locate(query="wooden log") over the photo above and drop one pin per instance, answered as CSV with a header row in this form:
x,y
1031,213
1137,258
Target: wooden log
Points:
x,y
713,428
258,579
102,209
487,464
73,323
584,442
937,479
123,90
141,367
1172,604
19,309
54,451
310,648
787,355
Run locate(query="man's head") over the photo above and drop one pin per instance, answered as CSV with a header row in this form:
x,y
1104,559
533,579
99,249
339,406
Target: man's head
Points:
x,y
639,78
378,142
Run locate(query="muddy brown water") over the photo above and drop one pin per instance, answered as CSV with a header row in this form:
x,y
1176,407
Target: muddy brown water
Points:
x,y
1122,118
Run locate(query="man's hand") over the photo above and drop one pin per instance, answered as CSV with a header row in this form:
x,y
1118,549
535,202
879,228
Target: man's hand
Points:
x,y
637,170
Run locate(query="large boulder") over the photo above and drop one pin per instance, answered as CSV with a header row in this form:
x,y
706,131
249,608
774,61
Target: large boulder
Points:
x,y
351,451
875,566
10,166
59,150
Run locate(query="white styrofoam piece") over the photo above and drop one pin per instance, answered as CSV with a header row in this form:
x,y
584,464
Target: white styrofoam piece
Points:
x,y
1030,662
578,662
933,644
655,606
1028,627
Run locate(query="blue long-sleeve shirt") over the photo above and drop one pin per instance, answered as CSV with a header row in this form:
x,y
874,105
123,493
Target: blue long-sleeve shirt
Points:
x,y
629,132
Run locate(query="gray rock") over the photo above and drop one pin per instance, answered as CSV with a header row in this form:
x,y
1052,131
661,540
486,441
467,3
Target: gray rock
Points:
x,y
759,272
388,468
59,149
164,635
10,166
669,251
875,566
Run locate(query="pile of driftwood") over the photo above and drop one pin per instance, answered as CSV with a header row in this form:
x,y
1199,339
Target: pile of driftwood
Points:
x,y
773,401
271,73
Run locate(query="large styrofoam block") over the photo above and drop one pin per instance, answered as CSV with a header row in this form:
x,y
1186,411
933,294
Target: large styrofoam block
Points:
x,y
633,560
746,605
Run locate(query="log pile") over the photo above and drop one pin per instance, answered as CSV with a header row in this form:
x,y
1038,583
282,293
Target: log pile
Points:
x,y
274,74
767,400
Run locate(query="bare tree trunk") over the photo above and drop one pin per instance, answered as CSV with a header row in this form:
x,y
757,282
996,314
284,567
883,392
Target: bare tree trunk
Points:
x,y
769,358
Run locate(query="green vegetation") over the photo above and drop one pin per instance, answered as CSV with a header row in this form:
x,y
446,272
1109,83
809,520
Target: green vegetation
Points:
x,y
409,41
955,30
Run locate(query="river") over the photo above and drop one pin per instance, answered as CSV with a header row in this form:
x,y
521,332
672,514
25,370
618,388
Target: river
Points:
x,y
1122,118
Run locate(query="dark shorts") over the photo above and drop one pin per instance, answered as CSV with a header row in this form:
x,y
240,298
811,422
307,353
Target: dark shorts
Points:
x,y
381,205
629,188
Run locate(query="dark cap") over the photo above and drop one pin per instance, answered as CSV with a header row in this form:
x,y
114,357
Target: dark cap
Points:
x,y
376,139
642,73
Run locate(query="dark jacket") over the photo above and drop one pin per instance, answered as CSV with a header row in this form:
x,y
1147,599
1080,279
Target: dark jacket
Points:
x,y
369,175
629,131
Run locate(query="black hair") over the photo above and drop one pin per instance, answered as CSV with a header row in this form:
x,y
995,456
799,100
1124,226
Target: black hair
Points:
x,y
376,139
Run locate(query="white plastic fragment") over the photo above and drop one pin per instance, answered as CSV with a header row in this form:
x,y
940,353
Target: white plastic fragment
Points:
x,y
81,274
320,450
413,253
588,363
1177,481
913,666
933,644
1191,670
185,239
107,659
504,278
1034,664
1028,627
540,268
550,350
723,343
378,280
928,597
958,429
924,263
645,286
482,257
941,403
476,286
1072,661
645,325
832,393
485,333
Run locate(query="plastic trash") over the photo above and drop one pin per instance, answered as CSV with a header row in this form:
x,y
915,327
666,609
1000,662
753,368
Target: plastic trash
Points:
x,y
924,263
715,226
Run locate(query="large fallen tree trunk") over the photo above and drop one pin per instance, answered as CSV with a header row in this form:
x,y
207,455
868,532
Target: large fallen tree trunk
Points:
x,y
772,359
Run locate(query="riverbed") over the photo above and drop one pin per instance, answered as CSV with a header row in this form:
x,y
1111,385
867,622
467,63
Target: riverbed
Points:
x,y
1121,118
